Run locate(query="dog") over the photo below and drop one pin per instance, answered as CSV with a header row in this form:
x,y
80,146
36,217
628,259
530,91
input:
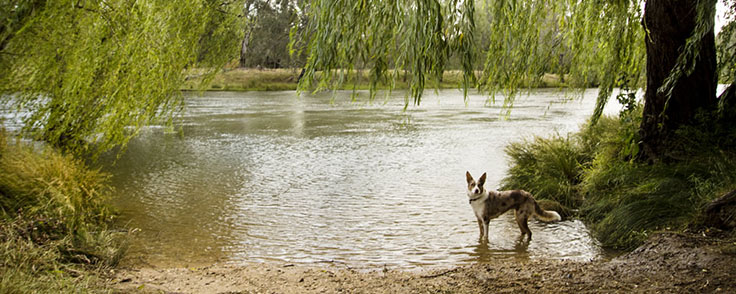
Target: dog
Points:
x,y
488,205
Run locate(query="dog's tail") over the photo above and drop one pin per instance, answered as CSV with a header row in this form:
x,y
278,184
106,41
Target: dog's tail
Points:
x,y
546,215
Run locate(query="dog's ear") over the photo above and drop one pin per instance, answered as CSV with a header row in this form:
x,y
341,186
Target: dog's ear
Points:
x,y
482,180
468,177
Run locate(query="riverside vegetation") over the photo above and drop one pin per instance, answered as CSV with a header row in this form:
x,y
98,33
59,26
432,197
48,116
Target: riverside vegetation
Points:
x,y
54,233
593,174
283,79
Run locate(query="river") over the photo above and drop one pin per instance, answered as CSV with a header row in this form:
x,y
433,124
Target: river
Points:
x,y
274,177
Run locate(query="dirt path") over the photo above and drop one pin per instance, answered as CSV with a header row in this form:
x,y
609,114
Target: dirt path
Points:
x,y
668,263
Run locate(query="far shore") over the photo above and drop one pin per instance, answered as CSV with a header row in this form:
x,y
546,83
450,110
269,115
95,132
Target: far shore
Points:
x,y
284,79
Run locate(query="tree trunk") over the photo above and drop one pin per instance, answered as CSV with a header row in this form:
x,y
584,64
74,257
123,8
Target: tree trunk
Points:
x,y
727,106
721,213
244,45
669,24
244,49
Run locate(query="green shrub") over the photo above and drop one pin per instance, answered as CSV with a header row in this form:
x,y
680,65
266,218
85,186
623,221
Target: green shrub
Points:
x,y
621,199
625,201
40,183
53,222
547,168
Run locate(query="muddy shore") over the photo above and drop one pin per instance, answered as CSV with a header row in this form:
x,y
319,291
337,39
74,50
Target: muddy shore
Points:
x,y
667,263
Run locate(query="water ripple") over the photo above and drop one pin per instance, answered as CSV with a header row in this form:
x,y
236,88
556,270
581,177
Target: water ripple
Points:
x,y
271,177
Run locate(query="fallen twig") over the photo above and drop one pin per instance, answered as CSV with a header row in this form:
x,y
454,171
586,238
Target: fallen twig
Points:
x,y
440,274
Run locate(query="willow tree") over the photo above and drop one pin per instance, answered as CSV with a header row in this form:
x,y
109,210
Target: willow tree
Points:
x,y
612,44
87,75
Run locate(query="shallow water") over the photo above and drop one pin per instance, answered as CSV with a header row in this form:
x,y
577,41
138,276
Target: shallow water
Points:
x,y
267,176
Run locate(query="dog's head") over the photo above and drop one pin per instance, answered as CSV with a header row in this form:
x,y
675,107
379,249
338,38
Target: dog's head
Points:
x,y
475,189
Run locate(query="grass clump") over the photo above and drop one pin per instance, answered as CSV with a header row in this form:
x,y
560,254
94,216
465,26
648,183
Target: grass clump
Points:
x,y
594,172
625,201
549,168
54,234
553,169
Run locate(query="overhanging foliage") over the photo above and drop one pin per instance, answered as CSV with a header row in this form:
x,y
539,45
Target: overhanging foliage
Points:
x,y
84,72
603,38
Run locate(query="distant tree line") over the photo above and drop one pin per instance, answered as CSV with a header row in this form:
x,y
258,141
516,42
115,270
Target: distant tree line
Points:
x,y
273,24
267,33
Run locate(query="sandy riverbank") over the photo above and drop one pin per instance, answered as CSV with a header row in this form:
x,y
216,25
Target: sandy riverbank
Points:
x,y
668,263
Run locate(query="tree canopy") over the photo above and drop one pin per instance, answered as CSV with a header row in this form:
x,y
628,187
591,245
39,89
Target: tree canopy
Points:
x,y
603,38
266,39
609,43
93,72
82,72
604,41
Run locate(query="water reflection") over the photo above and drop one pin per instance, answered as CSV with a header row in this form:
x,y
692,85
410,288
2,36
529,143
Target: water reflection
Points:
x,y
563,240
482,253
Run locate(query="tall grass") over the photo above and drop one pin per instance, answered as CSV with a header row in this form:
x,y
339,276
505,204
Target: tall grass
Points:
x,y
45,184
53,222
594,171
626,201
553,168
549,168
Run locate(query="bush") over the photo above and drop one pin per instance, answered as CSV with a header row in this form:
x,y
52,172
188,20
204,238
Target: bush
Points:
x,y
553,168
53,222
626,200
48,186
547,168
621,199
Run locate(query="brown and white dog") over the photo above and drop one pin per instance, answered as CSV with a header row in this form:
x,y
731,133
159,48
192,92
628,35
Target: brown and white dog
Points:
x,y
488,205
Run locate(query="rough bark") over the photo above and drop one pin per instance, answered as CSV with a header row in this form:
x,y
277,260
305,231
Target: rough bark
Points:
x,y
669,24
727,105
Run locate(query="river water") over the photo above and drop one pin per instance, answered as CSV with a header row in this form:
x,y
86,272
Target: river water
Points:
x,y
273,177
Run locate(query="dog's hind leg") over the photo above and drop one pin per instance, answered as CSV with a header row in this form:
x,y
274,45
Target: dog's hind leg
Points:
x,y
522,220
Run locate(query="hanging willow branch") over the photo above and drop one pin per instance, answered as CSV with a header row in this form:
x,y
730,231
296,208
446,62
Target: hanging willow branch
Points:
x,y
387,37
87,75
688,57
603,41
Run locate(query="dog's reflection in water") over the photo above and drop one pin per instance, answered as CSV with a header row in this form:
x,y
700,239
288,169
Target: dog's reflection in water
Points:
x,y
482,253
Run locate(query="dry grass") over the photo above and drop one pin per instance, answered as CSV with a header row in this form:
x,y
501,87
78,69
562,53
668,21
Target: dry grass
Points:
x,y
53,222
241,79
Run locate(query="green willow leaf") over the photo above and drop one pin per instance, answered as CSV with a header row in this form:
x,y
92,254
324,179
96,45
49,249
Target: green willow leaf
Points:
x,y
89,74
601,41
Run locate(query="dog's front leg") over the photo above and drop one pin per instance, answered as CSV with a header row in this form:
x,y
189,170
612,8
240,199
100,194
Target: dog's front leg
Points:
x,y
480,227
485,230
483,227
